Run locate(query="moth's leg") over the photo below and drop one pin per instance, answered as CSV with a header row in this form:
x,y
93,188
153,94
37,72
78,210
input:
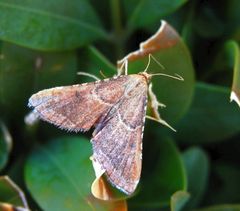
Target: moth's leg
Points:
x,y
154,104
124,67
153,99
89,75
161,121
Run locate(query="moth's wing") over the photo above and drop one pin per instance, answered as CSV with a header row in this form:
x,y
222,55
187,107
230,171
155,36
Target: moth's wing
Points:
x,y
117,141
78,107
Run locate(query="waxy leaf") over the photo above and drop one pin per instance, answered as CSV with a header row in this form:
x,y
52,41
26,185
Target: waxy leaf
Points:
x,y
222,207
197,167
224,184
5,144
92,61
207,23
141,13
163,174
211,117
31,71
66,176
52,25
178,200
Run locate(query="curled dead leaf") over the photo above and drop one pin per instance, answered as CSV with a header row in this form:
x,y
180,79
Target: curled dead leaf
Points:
x,y
165,37
101,190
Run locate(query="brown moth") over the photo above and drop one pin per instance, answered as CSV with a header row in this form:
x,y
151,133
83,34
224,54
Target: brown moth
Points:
x,y
116,107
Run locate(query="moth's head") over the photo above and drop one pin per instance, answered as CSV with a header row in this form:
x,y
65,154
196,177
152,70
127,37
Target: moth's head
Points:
x,y
146,76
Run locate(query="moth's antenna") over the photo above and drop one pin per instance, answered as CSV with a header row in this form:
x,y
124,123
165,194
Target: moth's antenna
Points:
x,y
89,75
149,59
177,77
150,56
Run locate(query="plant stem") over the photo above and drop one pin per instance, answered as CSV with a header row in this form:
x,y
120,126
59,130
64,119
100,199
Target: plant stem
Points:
x,y
118,37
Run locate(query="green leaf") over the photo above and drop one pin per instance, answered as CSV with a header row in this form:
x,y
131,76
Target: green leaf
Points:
x,y
141,13
11,193
170,51
5,145
3,153
207,23
93,61
224,185
16,77
233,52
59,175
25,71
197,166
52,25
178,200
163,174
233,17
223,207
211,117
55,69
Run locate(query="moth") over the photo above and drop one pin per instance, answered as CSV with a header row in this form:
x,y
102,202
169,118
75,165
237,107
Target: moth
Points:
x,y
116,107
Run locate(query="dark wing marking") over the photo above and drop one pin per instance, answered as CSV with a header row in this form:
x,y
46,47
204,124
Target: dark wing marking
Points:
x,y
78,107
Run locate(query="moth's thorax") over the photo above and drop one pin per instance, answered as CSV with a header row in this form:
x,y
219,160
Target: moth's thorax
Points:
x,y
136,82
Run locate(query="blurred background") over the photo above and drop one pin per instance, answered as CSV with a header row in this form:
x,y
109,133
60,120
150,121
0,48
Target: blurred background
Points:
x,y
45,44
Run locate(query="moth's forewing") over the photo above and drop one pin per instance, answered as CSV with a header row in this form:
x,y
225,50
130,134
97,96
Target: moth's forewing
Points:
x,y
77,107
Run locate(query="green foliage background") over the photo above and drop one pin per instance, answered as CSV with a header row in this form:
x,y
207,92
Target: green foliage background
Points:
x,y
44,44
